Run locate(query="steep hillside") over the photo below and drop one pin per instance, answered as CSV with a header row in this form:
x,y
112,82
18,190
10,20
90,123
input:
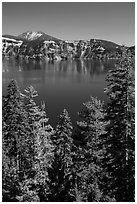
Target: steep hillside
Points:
x,y
32,44
38,35
31,35
15,37
107,45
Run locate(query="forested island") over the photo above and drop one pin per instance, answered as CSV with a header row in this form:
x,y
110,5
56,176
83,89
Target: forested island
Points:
x,y
95,163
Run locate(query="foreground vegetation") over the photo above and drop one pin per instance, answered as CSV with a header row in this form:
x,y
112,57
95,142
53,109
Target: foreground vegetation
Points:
x,y
95,163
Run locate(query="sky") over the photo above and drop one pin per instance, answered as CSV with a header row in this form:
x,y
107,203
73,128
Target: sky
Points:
x,y
113,21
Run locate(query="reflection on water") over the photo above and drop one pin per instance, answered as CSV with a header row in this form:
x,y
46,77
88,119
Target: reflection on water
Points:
x,y
62,84
73,66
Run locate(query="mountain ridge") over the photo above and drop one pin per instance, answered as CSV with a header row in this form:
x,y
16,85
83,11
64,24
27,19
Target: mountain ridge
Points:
x,y
23,37
33,35
38,44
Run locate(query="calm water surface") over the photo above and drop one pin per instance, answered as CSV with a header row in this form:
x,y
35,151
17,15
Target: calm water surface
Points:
x,y
63,84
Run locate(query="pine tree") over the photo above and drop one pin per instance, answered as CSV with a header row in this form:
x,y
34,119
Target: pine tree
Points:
x,y
10,180
61,174
40,144
28,192
15,129
27,147
43,153
33,113
120,137
91,153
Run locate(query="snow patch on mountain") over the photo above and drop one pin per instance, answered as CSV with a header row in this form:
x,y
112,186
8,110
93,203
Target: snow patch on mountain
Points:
x,y
31,35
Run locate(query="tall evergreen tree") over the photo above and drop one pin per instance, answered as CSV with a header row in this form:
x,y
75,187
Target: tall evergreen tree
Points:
x,y
10,179
15,130
61,174
91,129
120,137
43,153
27,147
33,113
41,147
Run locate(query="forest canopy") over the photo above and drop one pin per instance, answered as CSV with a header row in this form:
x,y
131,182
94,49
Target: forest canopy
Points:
x,y
96,163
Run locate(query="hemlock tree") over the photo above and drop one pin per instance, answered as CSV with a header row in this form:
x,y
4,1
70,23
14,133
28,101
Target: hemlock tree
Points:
x,y
10,177
41,147
120,138
43,154
33,116
15,131
61,174
27,147
91,128
35,189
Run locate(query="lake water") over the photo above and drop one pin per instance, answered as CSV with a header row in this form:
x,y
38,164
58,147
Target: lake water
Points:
x,y
61,84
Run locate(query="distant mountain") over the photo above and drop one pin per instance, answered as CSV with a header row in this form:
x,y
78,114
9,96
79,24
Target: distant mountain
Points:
x,y
32,35
107,45
32,44
14,37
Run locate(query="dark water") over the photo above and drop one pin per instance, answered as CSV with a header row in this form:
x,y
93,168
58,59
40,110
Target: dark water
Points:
x,y
61,84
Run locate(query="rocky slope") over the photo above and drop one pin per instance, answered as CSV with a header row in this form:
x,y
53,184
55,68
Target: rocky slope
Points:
x,y
40,45
32,35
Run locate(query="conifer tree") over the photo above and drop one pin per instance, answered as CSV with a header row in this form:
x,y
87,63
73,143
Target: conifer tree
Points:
x,y
10,180
15,130
120,137
61,174
91,152
33,112
41,147
43,153
27,147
